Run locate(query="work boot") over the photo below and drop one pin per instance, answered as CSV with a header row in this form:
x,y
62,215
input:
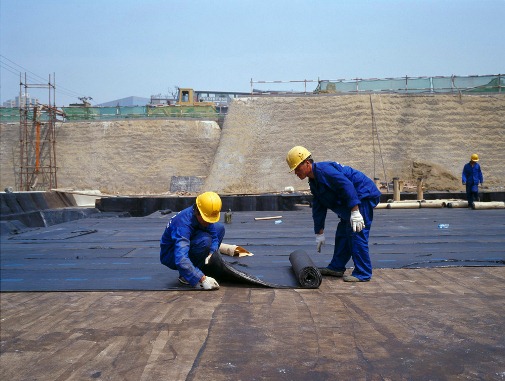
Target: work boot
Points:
x,y
350,278
330,272
183,281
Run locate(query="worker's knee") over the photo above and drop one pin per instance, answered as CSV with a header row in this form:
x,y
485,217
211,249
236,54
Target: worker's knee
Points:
x,y
220,230
202,241
201,244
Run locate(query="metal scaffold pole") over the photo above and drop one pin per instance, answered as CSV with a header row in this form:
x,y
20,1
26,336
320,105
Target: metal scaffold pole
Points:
x,y
37,138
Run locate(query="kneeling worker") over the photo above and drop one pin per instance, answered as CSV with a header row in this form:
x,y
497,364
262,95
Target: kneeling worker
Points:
x,y
190,237
352,196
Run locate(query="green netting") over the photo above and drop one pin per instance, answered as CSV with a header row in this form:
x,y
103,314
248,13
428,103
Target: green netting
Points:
x,y
108,112
12,114
418,85
471,82
132,112
495,85
334,87
121,112
81,113
474,84
9,114
442,84
183,112
104,113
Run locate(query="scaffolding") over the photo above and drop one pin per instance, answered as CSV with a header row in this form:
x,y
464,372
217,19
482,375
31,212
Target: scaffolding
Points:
x,y
37,139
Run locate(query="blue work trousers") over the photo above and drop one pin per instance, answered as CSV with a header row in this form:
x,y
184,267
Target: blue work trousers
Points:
x,y
201,242
472,193
349,244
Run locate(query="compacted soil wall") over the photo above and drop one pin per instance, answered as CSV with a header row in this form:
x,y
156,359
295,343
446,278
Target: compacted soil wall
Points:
x,y
429,136
385,136
122,157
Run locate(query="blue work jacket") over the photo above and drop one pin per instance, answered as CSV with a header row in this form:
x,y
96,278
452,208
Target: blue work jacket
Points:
x,y
339,188
175,244
472,176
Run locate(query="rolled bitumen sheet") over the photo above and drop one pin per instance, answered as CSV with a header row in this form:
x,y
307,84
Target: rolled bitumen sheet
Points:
x,y
306,272
221,270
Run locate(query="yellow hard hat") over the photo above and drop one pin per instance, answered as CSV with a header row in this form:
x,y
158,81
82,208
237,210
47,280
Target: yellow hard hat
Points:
x,y
295,156
474,157
209,204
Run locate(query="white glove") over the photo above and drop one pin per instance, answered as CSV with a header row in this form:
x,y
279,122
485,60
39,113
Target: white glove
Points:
x,y
207,284
320,241
357,222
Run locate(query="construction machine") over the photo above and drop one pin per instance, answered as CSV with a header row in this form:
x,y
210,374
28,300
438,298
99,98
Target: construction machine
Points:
x,y
186,106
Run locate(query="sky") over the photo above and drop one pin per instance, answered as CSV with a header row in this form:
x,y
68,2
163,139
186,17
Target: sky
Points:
x,y
112,49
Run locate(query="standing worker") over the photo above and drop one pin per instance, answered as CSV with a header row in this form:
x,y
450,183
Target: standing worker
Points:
x,y
352,196
472,177
190,237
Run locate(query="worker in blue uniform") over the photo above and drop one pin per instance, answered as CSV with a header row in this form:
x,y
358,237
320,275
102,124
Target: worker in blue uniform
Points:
x,y
190,238
472,177
352,196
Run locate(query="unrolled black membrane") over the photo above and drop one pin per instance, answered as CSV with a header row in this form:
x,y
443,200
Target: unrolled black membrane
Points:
x,y
306,273
221,270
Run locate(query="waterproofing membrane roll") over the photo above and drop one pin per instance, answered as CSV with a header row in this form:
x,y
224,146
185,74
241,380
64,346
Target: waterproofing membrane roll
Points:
x,y
306,272
221,270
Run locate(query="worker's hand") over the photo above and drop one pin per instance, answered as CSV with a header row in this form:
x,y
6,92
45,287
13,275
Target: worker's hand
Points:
x,y
207,284
320,241
357,222
208,258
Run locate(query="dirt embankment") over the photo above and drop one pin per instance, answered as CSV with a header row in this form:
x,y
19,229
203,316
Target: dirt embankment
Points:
x,y
429,136
129,157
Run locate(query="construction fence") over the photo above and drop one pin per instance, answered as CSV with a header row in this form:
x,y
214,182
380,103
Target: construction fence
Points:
x,y
75,113
477,84
404,85
452,84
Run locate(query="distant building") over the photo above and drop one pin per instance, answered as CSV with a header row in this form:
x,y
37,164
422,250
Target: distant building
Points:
x,y
128,101
25,100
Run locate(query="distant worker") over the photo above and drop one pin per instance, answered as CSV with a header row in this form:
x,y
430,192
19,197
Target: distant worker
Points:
x,y
352,196
190,237
472,177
